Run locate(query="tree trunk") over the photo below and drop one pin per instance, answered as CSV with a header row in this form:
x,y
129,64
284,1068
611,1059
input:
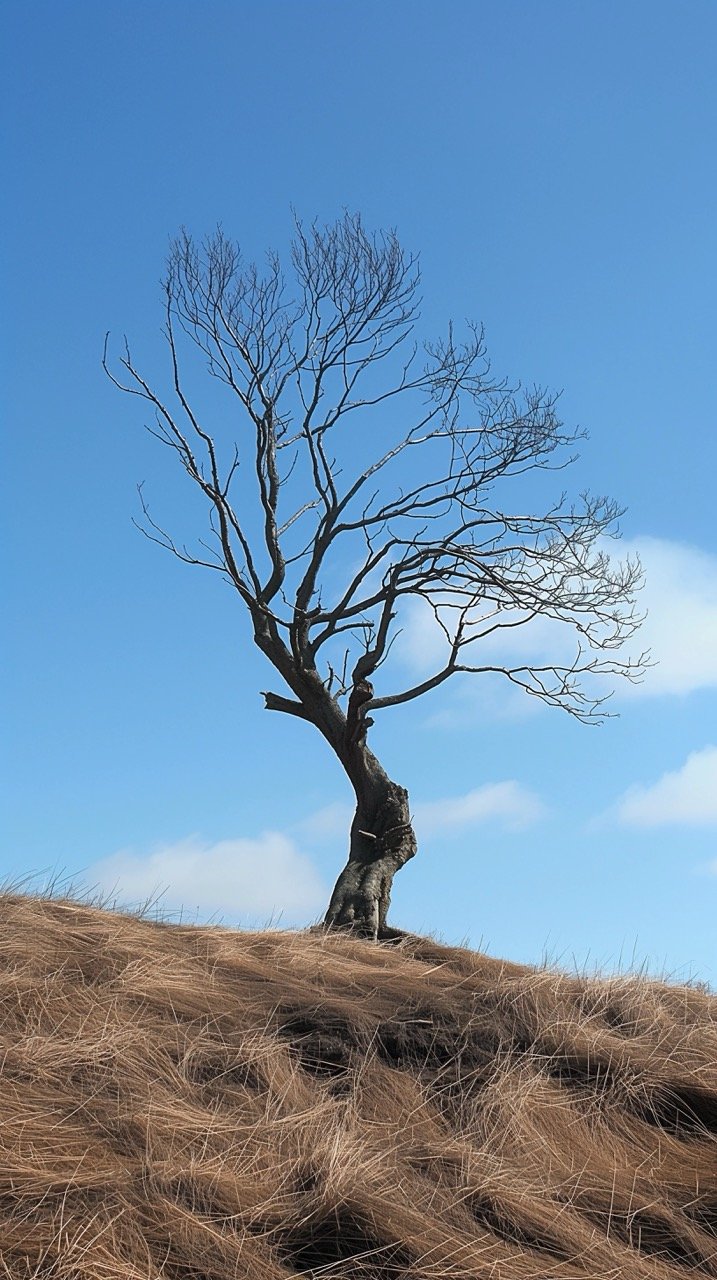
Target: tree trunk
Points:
x,y
362,893
382,836
382,840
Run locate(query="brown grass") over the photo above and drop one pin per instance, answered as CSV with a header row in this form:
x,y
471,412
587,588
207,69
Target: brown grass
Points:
x,y
186,1101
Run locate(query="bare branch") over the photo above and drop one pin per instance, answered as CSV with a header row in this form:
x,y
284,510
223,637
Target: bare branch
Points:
x,y
307,359
275,702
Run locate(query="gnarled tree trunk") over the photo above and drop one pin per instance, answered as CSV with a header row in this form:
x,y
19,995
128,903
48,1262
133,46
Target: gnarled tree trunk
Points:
x,y
382,838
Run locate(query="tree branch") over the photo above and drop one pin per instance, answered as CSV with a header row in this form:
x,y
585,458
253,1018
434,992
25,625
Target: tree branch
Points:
x,y
275,702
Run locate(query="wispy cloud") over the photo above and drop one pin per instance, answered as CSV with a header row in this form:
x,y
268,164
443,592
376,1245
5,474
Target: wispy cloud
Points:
x,y
685,797
329,823
270,877
513,805
421,645
680,597
245,879
471,700
509,803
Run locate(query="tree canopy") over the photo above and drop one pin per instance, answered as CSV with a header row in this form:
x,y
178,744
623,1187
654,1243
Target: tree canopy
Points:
x,y
353,470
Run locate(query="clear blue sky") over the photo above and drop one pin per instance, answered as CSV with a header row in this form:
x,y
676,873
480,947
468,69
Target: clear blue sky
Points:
x,y
554,164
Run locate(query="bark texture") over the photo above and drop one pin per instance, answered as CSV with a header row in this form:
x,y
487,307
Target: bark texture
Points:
x,y
382,838
382,841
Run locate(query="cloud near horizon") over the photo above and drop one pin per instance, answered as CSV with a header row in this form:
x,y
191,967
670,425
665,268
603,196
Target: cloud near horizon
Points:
x,y
270,877
248,879
686,796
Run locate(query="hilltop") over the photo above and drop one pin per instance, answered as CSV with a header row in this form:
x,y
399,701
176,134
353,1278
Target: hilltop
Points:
x,y
195,1102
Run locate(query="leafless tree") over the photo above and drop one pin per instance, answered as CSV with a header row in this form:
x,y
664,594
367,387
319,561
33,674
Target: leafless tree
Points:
x,y
351,471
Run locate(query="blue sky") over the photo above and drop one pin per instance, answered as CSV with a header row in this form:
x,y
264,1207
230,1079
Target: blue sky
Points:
x,y
554,165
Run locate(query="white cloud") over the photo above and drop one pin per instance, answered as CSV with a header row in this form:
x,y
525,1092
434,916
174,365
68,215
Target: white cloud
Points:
x,y
270,878
329,823
242,878
421,646
687,796
680,597
469,701
515,805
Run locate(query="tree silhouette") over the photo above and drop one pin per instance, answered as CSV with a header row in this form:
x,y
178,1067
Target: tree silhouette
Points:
x,y
353,471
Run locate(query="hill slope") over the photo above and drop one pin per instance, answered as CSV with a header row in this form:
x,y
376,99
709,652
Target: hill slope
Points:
x,y
187,1102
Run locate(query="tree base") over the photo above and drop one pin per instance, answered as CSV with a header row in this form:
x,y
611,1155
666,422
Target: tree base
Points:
x,y
387,934
361,899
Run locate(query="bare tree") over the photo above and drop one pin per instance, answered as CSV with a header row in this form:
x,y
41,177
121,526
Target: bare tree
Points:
x,y
352,471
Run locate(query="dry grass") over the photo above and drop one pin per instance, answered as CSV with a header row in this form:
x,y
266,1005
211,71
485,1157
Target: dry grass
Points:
x,y
195,1102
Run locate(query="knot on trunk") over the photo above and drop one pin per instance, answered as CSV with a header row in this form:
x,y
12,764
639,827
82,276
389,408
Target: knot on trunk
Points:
x,y
392,826
396,839
357,722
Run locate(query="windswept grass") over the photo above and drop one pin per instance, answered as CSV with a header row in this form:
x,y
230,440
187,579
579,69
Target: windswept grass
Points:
x,y
194,1102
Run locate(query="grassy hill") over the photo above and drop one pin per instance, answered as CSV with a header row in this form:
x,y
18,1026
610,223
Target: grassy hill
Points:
x,y
183,1101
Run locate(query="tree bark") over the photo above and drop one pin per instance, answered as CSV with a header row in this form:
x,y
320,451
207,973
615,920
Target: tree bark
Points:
x,y
382,838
